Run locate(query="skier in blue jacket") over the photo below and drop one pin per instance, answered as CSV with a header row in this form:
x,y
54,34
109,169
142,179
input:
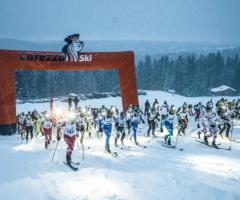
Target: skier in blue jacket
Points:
x,y
135,121
107,128
169,124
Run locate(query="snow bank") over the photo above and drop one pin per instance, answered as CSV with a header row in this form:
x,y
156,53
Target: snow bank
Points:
x,y
222,88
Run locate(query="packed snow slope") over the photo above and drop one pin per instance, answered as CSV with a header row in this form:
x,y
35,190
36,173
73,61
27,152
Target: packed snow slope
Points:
x,y
198,172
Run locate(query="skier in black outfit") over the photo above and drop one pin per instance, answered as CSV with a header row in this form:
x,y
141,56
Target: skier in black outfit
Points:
x,y
147,107
182,119
153,118
199,108
120,125
76,100
69,103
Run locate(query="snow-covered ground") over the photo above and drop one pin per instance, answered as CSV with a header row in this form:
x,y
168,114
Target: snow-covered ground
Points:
x,y
154,173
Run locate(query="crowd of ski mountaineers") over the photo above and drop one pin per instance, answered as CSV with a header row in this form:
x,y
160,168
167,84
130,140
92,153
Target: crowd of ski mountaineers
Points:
x,y
74,122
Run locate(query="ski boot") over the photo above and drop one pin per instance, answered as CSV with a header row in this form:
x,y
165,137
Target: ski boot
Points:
x,y
148,134
221,135
68,159
165,139
122,138
107,148
169,141
214,145
179,132
136,142
46,145
205,139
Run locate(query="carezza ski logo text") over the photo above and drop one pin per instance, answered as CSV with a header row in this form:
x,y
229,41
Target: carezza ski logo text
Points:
x,y
57,57
71,52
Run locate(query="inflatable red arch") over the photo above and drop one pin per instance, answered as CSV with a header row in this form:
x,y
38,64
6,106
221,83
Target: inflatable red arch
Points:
x,y
11,60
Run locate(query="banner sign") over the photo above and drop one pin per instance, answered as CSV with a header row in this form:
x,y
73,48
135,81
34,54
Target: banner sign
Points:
x,y
71,52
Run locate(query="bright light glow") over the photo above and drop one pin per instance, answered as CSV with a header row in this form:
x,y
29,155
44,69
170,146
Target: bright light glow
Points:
x,y
223,107
58,111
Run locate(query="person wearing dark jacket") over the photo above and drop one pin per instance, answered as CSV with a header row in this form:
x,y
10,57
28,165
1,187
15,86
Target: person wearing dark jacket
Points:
x,y
147,108
69,103
76,100
153,119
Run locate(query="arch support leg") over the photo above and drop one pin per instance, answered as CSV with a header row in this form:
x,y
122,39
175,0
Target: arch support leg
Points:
x,y
7,101
128,86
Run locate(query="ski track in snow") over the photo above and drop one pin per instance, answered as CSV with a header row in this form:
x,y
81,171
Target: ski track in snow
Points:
x,y
155,173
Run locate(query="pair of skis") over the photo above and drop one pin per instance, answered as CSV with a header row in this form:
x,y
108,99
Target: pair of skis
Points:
x,y
72,165
163,144
123,147
140,145
171,146
212,146
113,154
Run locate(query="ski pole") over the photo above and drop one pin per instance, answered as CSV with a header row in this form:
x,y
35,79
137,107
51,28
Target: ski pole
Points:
x,y
192,131
82,152
233,124
55,150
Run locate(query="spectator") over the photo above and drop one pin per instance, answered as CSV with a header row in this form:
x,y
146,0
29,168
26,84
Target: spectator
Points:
x,y
76,100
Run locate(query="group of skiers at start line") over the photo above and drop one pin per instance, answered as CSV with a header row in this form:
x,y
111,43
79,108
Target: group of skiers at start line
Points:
x,y
72,125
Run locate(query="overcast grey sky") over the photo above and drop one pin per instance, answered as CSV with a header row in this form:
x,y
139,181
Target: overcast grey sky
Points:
x,y
163,20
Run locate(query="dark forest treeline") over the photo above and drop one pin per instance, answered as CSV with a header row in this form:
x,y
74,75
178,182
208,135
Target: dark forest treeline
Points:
x,y
41,84
188,75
